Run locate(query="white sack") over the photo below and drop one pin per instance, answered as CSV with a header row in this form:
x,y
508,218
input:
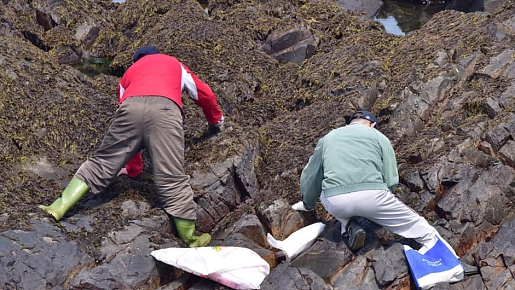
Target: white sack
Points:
x,y
234,267
297,241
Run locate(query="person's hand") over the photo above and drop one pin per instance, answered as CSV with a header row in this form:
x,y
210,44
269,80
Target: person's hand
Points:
x,y
123,171
216,128
299,206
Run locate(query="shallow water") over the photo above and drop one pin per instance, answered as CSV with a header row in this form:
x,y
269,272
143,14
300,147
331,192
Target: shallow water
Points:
x,y
94,66
391,25
400,18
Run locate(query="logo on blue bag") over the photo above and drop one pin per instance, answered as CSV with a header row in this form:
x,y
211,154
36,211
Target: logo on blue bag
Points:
x,y
436,263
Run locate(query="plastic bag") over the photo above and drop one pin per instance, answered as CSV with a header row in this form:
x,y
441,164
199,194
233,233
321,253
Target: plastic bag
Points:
x,y
438,264
298,241
234,267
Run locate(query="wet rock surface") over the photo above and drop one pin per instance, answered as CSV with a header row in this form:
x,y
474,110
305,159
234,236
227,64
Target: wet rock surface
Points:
x,y
443,94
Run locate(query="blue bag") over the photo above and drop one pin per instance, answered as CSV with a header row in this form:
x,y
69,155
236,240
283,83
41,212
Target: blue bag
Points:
x,y
437,265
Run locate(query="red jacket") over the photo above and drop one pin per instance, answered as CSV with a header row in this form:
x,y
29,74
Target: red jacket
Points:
x,y
164,75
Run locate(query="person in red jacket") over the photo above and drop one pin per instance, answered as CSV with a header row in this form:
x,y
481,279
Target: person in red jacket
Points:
x,y
149,116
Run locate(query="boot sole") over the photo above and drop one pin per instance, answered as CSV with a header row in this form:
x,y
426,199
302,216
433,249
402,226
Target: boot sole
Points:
x,y
199,242
359,240
50,213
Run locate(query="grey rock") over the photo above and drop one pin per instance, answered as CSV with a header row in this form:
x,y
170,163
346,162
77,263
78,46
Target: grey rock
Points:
x,y
497,137
285,276
498,64
281,220
325,257
507,153
356,275
370,7
41,257
389,265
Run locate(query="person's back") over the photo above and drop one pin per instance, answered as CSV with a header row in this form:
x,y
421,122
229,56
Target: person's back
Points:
x,y
348,159
353,159
153,75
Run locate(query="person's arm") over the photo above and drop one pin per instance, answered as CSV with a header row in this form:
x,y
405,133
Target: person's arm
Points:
x,y
202,95
312,177
390,174
119,92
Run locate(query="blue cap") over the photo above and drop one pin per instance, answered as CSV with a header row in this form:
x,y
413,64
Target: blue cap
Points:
x,y
146,50
364,115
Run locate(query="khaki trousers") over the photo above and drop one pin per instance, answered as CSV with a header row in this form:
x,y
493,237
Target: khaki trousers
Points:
x,y
153,123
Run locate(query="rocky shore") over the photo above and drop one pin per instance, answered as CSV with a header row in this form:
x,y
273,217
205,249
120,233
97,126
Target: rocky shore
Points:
x,y
285,73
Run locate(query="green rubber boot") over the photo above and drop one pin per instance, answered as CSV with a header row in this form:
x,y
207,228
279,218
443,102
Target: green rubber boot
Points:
x,y
186,231
70,196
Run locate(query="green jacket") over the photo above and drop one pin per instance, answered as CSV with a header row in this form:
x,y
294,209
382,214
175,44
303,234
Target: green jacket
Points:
x,y
348,159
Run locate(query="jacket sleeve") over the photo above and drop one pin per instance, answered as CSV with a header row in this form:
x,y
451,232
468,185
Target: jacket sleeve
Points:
x,y
390,174
312,177
135,165
119,92
202,95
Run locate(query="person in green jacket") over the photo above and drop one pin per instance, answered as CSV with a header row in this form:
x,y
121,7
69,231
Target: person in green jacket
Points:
x,y
354,172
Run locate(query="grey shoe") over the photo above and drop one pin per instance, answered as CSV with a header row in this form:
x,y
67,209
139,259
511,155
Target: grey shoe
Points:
x,y
355,236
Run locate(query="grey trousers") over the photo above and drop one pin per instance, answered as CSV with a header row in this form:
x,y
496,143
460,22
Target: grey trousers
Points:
x,y
153,123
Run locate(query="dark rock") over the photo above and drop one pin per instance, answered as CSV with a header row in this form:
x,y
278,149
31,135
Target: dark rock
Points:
x,y
357,275
45,20
497,137
42,256
415,182
295,45
287,277
389,265
324,258
507,153
499,248
251,227
280,220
